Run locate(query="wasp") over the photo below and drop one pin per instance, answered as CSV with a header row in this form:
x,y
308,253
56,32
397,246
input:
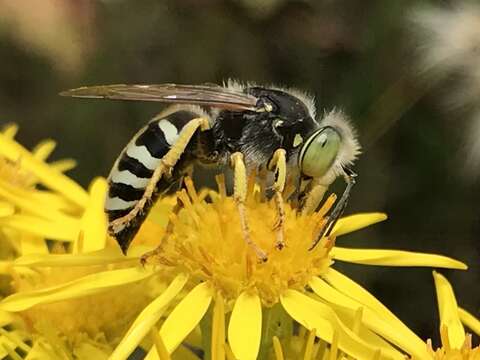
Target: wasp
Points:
x,y
269,130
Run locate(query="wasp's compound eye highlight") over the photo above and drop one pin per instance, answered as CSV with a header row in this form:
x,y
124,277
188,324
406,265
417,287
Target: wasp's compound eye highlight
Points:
x,y
319,152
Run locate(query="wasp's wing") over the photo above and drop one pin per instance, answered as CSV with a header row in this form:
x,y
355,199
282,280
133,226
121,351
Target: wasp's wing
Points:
x,y
207,95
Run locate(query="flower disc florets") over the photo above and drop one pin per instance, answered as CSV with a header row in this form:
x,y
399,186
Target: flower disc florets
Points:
x,y
208,242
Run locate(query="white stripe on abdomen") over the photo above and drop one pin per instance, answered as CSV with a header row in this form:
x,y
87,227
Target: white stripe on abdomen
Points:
x,y
141,154
169,131
118,204
126,177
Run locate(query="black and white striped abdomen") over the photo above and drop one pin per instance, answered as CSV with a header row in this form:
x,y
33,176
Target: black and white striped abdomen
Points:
x,y
135,166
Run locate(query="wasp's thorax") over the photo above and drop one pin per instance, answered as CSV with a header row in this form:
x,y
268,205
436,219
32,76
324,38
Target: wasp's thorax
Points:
x,y
285,122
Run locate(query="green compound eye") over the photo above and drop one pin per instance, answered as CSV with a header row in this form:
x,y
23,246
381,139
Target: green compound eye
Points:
x,y
319,152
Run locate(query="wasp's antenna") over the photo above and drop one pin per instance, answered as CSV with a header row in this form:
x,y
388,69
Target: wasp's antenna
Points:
x,y
349,176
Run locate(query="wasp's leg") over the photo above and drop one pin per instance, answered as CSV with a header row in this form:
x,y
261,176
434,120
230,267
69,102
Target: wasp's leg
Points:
x,y
239,195
313,198
339,208
164,168
279,165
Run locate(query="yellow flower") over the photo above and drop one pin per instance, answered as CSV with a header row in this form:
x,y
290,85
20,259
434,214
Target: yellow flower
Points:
x,y
456,344
61,212
16,343
205,264
61,218
206,261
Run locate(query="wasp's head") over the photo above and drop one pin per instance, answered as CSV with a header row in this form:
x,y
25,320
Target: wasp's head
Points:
x,y
323,148
329,149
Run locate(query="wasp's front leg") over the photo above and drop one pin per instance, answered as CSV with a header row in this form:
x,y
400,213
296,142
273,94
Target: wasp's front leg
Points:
x,y
279,165
313,198
239,195
339,208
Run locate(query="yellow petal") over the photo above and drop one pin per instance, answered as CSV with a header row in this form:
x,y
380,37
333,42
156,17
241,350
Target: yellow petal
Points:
x,y
47,229
6,267
183,319
53,343
87,285
43,150
22,199
356,222
42,350
448,311
162,351
6,318
86,350
101,257
218,329
395,258
313,314
277,348
94,222
350,288
354,320
147,319
32,244
394,331
10,130
183,353
10,341
245,327
63,165
161,211
469,320
6,209
54,201
49,177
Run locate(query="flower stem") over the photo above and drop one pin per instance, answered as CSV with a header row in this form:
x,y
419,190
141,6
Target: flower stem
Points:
x,y
276,322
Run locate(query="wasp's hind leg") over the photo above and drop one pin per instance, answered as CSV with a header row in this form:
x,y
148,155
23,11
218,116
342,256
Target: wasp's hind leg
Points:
x,y
279,165
163,170
239,195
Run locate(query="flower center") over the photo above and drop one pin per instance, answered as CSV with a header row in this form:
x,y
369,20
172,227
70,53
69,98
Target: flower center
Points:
x,y
207,241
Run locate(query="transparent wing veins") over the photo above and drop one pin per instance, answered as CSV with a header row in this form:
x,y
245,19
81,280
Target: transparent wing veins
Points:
x,y
207,95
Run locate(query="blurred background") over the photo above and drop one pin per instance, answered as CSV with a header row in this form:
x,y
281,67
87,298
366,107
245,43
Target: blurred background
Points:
x,y
366,57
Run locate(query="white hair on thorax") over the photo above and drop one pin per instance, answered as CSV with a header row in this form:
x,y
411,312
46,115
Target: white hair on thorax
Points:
x,y
305,97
